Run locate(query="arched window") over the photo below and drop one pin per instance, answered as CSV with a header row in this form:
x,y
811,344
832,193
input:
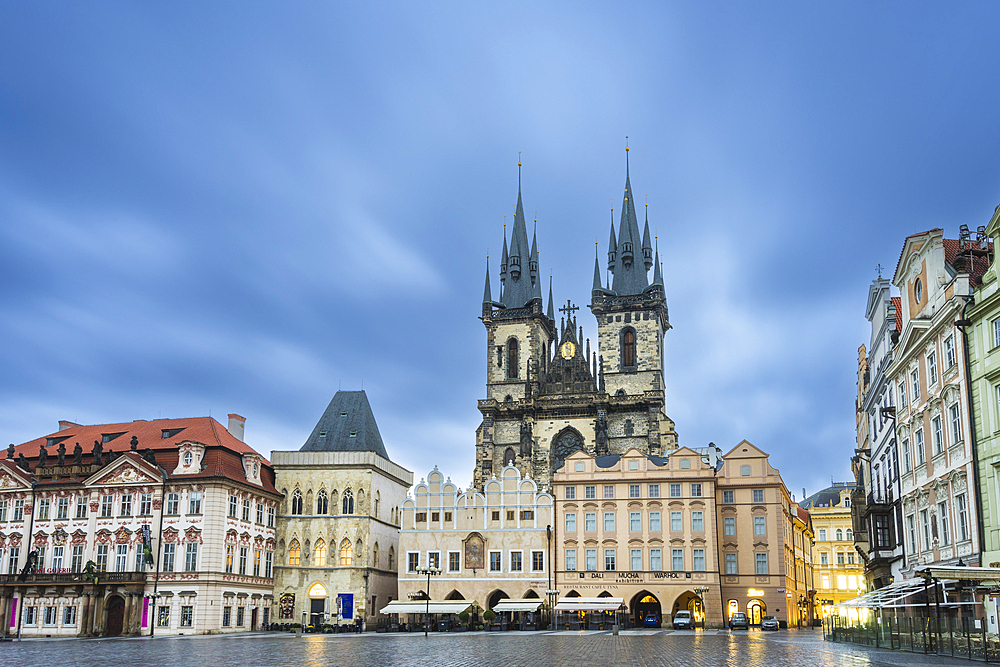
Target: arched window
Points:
x,y
840,534
346,552
294,553
375,555
629,428
628,348
850,534
321,502
512,359
392,559
508,457
320,553
348,504
378,499
297,502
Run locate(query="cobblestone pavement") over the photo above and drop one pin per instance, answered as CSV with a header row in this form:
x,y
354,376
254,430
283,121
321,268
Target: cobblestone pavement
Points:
x,y
636,648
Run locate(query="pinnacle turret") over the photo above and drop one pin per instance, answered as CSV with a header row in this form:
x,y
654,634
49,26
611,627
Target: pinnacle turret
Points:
x,y
551,311
487,295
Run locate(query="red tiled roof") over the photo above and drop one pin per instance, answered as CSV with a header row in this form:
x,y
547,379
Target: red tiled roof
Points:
x,y
223,454
980,264
899,312
803,514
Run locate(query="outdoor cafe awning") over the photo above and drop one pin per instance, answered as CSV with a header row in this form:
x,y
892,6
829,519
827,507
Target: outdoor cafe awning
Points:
x,y
422,606
886,597
589,604
531,604
961,573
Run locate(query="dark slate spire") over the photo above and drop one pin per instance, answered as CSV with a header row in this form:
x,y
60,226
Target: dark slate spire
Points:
x,y
347,425
487,295
647,249
536,278
629,274
598,287
503,259
551,311
518,290
612,244
657,275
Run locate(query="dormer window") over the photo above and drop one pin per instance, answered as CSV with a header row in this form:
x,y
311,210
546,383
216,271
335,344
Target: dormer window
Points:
x,y
354,434
322,434
169,433
188,458
108,437
343,414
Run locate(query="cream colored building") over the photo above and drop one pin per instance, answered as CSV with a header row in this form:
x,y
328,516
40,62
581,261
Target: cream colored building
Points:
x,y
490,546
755,535
339,519
840,573
642,528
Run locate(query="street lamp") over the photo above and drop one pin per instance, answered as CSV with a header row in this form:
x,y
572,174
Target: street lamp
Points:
x,y
427,609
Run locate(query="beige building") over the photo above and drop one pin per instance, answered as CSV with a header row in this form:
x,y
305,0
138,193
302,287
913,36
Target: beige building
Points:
x,y
840,573
489,546
339,519
641,528
756,538
206,498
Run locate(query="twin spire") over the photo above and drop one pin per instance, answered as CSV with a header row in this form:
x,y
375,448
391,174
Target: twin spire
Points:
x,y
630,257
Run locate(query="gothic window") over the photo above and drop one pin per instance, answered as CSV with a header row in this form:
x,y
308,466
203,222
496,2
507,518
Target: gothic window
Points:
x,y
375,555
621,392
321,502
508,399
320,554
294,553
297,502
346,552
508,457
348,503
628,348
512,359
563,445
628,427
378,498
392,559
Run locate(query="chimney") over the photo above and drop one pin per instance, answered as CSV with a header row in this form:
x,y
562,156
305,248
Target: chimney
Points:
x,y
65,424
235,427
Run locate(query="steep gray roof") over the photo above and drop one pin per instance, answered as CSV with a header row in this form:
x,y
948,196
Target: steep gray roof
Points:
x,y
347,425
629,275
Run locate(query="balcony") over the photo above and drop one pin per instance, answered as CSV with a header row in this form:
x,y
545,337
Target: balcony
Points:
x,y
72,578
879,501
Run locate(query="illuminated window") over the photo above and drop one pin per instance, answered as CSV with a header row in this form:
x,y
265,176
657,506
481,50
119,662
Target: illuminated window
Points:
x,y
294,553
320,554
346,553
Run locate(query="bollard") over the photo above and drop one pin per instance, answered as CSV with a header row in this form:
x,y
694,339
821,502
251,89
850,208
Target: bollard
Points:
x,y
614,629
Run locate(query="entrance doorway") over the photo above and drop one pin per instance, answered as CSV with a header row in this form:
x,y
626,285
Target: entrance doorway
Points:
x,y
253,619
644,605
115,619
317,607
755,611
692,602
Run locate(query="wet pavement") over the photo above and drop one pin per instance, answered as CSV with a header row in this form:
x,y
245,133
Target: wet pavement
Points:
x,y
633,648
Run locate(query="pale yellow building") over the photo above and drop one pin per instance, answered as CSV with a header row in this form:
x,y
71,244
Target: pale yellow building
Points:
x,y
489,546
339,519
642,528
840,573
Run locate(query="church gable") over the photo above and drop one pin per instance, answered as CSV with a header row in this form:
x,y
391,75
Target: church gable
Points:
x,y
124,470
12,477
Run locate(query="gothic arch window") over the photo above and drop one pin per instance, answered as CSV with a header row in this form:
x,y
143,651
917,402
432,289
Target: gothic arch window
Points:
x,y
392,559
348,503
629,429
512,359
346,552
294,553
628,348
508,399
621,392
359,552
320,559
297,502
565,443
375,555
508,457
321,502
378,499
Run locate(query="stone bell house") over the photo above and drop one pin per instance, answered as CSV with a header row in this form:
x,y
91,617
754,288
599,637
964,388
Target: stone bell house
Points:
x,y
89,493
339,518
928,371
490,546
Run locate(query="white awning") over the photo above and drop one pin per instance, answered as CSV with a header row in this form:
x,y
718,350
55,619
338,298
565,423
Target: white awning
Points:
x,y
589,604
421,606
530,604
886,597
962,573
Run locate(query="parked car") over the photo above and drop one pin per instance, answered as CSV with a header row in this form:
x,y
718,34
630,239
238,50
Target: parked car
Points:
x,y
683,619
739,620
651,621
769,623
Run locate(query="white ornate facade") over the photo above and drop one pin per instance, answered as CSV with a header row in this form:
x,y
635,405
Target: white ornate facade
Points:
x,y
206,498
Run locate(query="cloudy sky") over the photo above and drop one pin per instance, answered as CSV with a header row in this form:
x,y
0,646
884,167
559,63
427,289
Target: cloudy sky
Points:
x,y
242,208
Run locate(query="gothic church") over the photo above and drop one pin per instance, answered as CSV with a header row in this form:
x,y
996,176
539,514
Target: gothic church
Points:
x,y
547,393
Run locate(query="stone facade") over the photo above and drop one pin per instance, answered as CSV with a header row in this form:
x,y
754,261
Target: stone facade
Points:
x,y
840,573
490,546
207,499
345,545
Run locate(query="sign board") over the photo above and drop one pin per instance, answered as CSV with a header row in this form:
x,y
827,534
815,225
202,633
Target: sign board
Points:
x,y
345,606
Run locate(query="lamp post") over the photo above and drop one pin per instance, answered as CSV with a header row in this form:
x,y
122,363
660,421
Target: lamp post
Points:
x,y
427,609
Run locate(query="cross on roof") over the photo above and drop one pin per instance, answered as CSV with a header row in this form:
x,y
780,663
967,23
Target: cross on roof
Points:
x,y
569,308
878,267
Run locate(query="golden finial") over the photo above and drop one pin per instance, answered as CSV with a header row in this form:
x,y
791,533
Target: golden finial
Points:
x,y
519,157
626,143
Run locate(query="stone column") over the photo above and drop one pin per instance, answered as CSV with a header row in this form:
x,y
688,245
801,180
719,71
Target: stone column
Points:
x,y
85,622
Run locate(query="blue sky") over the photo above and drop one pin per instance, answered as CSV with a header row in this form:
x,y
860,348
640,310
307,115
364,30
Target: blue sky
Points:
x,y
242,207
